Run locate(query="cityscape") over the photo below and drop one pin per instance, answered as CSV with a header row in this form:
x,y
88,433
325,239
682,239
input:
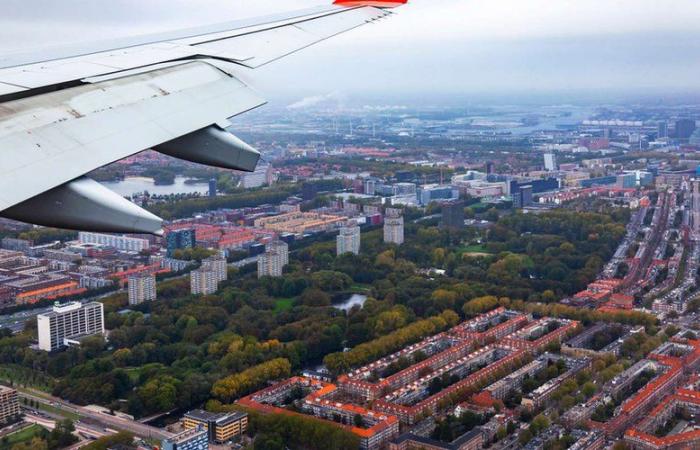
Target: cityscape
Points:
x,y
393,273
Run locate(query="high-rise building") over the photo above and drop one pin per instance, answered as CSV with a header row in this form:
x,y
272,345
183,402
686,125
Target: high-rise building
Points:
x,y
431,193
142,288
280,247
9,405
662,131
272,262
453,215
122,243
523,197
179,239
550,162
203,281
196,438
348,241
393,230
218,265
685,128
489,167
370,186
69,322
212,187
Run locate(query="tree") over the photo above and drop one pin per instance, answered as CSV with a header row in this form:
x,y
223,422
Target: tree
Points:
x,y
525,436
62,435
358,421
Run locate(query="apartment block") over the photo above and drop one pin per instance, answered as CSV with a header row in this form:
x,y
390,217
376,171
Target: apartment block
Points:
x,y
142,288
348,241
66,324
9,404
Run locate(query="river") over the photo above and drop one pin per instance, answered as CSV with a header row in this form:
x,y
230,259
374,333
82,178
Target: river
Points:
x,y
135,185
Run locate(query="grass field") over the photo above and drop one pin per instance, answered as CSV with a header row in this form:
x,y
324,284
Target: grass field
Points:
x,y
23,435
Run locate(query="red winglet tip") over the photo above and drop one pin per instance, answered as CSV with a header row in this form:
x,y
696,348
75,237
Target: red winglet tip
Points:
x,y
375,3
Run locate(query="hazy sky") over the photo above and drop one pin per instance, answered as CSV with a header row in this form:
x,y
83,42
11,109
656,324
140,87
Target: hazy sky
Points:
x,y
430,47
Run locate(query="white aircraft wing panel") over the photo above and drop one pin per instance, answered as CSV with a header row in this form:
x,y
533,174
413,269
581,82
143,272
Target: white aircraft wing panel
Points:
x,y
51,139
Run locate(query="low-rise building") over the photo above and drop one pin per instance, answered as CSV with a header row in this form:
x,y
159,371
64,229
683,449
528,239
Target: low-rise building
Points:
x,y
191,439
221,427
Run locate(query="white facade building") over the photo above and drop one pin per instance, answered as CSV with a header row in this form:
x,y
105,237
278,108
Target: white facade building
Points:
x,y
203,281
550,162
272,262
348,241
393,230
122,243
67,322
142,288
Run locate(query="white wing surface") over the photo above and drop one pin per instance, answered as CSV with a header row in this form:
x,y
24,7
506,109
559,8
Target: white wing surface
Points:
x,y
68,111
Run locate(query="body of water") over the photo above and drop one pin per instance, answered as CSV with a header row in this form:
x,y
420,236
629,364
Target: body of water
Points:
x,y
355,299
135,185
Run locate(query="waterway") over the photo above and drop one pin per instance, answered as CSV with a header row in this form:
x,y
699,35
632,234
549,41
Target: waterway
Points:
x,y
136,185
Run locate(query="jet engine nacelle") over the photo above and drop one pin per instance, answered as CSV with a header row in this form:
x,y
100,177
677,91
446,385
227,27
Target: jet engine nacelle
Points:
x,y
213,146
84,204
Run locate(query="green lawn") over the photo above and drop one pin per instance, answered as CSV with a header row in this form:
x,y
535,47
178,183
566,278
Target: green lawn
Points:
x,y
23,435
284,304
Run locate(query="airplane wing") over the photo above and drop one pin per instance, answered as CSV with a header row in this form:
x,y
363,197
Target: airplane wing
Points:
x,y
72,110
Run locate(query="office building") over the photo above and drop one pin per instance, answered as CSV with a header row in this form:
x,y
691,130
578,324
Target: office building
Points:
x,y
196,438
348,241
203,281
600,181
272,262
212,187
142,288
550,162
393,230
9,405
121,243
662,131
453,215
67,323
627,180
179,239
685,128
489,167
522,198
434,192
221,427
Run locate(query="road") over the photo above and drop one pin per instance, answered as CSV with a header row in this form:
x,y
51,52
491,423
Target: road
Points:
x,y
104,420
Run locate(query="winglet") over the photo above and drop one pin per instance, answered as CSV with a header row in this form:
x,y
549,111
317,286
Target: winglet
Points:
x,y
375,3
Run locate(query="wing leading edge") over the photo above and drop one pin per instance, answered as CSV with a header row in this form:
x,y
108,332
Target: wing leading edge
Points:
x,y
64,116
